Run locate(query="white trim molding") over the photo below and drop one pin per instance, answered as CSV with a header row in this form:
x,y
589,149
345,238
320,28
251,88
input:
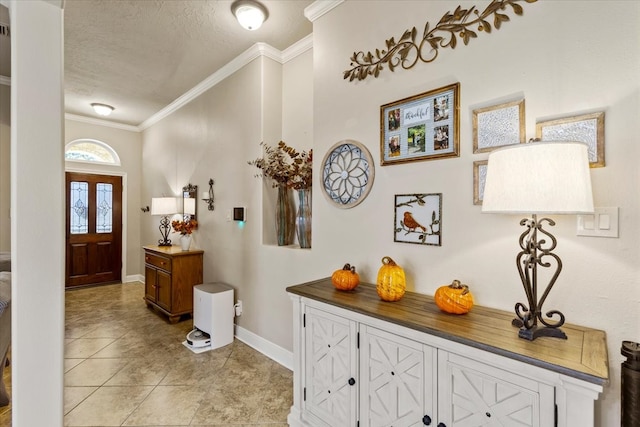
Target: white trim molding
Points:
x,y
319,7
298,48
100,122
269,349
256,51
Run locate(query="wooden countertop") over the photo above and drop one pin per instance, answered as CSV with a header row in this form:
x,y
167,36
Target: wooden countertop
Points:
x,y
171,250
583,355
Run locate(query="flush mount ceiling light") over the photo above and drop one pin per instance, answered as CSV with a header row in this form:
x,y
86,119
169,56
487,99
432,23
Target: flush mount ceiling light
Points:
x,y
102,109
249,13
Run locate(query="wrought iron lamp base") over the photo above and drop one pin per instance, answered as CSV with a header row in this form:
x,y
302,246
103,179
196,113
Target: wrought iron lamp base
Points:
x,y
164,232
537,332
537,253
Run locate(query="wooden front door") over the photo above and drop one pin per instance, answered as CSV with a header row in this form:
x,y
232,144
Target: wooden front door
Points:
x,y
93,229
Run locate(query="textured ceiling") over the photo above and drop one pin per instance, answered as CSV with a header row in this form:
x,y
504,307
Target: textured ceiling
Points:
x,y
140,55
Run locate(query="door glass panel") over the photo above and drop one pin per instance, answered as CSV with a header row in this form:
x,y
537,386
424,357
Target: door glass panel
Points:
x,y
79,207
104,200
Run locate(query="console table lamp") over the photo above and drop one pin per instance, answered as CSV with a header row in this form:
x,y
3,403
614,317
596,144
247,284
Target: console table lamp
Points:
x,y
164,206
538,178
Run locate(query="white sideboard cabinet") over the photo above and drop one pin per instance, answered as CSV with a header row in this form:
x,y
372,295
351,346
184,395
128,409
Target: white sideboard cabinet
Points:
x,y
363,362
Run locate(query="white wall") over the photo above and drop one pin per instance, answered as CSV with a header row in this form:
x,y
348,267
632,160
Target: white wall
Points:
x,y
128,145
37,201
5,165
563,58
5,186
213,137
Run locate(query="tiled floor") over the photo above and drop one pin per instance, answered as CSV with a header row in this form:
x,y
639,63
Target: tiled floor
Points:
x,y
125,365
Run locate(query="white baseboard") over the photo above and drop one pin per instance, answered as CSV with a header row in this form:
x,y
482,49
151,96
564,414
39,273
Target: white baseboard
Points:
x,y
134,278
269,349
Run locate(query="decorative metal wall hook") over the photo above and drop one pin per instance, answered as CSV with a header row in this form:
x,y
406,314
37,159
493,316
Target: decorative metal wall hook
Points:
x,y
208,197
145,209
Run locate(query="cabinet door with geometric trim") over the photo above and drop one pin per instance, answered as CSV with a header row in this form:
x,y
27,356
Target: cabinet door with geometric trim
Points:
x,y
473,394
397,379
330,368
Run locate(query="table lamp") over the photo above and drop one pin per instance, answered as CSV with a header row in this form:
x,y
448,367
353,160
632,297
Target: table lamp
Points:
x,y
538,178
164,206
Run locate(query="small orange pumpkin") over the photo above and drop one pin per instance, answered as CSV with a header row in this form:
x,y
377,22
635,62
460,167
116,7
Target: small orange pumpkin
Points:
x,y
454,298
391,283
346,279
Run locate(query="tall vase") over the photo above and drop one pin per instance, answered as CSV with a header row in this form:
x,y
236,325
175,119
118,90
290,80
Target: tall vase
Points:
x,y
185,242
303,218
284,217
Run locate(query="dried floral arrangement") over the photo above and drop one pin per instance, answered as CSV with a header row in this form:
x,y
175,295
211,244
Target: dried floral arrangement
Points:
x,y
184,227
285,166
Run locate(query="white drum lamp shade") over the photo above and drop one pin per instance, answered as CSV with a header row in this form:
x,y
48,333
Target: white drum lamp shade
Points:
x,y
164,206
539,177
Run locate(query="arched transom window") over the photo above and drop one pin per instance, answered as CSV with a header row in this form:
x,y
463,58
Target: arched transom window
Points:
x,y
92,151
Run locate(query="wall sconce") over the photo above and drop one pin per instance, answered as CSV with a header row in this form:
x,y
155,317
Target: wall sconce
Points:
x,y
538,178
208,196
164,206
249,13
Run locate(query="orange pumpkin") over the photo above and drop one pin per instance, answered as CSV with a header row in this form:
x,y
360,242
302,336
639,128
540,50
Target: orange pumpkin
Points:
x,y
454,298
346,279
391,283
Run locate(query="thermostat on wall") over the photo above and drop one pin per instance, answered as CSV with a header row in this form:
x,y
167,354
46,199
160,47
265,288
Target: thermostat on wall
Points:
x,y
240,214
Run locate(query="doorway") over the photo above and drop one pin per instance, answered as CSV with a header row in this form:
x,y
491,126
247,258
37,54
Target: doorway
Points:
x,y
93,229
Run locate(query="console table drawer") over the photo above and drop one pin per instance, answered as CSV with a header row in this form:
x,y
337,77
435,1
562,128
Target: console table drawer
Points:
x,y
158,261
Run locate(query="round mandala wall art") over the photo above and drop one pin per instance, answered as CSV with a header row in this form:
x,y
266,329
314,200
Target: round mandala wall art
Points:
x,y
347,174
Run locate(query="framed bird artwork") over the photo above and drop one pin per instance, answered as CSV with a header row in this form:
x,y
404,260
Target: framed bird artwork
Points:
x,y
418,219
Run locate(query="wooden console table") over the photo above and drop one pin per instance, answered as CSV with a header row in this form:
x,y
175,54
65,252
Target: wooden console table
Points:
x,y
362,361
170,275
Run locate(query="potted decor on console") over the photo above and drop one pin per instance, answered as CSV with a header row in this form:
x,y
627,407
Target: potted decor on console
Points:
x,y
289,169
185,228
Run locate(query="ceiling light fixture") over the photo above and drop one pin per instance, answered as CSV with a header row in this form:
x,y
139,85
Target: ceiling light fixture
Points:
x,y
102,109
249,13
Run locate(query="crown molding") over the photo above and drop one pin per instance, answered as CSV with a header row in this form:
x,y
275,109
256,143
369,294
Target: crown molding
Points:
x,y
231,67
4,80
298,48
256,51
319,7
100,122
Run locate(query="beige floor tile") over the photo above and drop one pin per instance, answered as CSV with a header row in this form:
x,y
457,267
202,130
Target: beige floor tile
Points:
x,y
93,372
124,347
108,330
73,330
168,406
240,404
194,369
85,347
74,395
107,406
71,363
148,371
144,376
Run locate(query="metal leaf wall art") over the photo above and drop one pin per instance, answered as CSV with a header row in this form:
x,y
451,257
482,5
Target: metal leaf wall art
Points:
x,y
461,24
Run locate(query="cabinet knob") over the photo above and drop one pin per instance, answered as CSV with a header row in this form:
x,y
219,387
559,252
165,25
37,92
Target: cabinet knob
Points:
x,y
352,381
426,420
441,425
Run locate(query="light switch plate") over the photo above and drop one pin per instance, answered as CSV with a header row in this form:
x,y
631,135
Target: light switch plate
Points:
x,y
602,223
